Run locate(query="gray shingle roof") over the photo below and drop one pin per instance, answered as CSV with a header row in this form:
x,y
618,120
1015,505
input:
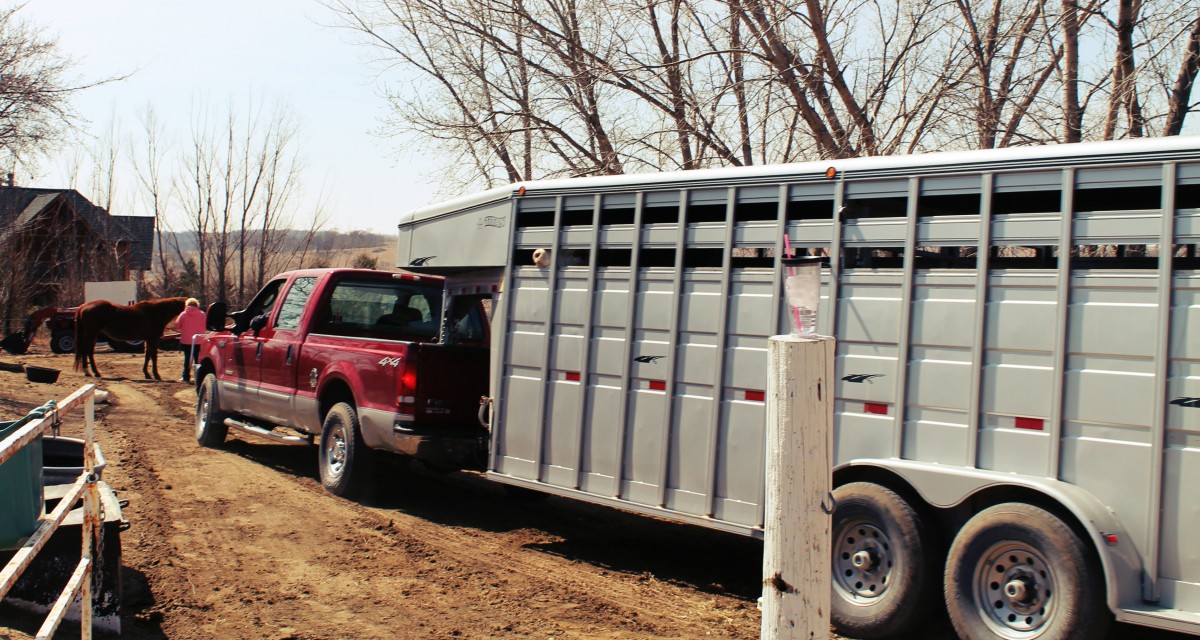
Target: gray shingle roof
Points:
x,y
19,205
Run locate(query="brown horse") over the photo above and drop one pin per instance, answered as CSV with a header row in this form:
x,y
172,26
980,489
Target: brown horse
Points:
x,y
142,321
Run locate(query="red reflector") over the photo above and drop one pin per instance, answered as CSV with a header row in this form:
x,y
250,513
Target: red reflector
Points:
x,y
1111,538
876,408
1029,423
658,385
572,376
756,396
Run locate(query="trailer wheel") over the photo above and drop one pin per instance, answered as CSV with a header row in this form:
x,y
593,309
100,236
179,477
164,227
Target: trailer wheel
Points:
x,y
1017,571
210,420
884,574
344,460
62,342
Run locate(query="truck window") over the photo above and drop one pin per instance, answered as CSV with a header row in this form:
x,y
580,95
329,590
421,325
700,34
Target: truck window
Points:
x,y
466,322
264,301
398,310
293,303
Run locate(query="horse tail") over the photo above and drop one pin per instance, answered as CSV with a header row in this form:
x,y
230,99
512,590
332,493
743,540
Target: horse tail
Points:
x,y
79,363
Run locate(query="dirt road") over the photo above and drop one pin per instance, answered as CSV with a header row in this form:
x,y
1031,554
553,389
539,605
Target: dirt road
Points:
x,y
244,543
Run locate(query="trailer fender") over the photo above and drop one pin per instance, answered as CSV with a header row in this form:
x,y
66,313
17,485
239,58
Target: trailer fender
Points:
x,y
947,487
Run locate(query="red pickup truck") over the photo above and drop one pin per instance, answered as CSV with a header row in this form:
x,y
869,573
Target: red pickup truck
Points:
x,y
354,359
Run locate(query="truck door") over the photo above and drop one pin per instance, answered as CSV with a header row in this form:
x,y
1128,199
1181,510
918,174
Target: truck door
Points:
x,y
280,353
239,389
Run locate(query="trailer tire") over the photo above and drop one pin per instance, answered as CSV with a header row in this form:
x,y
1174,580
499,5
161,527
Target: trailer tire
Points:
x,y
884,571
62,342
1018,571
210,420
344,460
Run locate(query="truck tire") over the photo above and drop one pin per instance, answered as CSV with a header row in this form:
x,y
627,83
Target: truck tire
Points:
x,y
344,460
885,573
62,342
1017,571
210,420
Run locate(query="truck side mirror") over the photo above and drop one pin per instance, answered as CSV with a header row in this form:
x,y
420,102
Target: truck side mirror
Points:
x,y
214,318
240,323
258,322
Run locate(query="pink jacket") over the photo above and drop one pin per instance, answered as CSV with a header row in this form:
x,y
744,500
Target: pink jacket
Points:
x,y
189,323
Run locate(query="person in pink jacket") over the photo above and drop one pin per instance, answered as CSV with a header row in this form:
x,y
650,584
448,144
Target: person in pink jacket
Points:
x,y
190,324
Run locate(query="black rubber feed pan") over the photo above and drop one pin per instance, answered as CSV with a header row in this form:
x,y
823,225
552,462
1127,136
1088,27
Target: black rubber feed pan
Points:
x,y
41,374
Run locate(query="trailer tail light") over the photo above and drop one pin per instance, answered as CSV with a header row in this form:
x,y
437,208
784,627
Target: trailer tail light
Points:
x,y
572,376
876,408
755,396
658,385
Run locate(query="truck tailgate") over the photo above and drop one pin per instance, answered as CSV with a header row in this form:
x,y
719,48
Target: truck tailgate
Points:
x,y
451,379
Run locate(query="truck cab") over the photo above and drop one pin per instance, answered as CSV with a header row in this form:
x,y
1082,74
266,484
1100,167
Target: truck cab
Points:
x,y
355,359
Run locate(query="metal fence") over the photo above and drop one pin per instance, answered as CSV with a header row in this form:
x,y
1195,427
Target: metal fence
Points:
x,y
80,582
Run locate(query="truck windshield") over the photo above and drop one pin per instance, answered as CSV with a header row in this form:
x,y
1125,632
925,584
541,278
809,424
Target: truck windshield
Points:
x,y
398,309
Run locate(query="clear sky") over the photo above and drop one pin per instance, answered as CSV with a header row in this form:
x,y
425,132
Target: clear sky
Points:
x,y
221,50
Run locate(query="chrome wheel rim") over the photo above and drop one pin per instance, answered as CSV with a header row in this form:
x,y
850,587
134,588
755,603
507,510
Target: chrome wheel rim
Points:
x,y
1014,589
863,562
335,451
203,413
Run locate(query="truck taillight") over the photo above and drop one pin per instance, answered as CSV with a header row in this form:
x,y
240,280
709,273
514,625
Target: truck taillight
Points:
x,y
406,394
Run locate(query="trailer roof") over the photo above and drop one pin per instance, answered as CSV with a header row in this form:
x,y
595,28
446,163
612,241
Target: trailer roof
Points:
x,y
1011,158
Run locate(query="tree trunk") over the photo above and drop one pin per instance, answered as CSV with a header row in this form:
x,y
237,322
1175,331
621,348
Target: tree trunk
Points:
x,y
1181,91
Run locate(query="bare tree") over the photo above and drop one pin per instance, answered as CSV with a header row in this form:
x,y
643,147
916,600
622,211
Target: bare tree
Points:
x,y
35,90
194,187
147,159
521,89
1179,103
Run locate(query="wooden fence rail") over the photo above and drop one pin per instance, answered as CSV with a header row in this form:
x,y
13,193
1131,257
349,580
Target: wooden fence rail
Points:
x,y
80,583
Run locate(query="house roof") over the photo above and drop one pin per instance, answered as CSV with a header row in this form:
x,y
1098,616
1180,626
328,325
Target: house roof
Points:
x,y
21,205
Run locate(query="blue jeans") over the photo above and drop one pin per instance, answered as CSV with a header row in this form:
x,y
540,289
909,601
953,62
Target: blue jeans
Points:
x,y
190,351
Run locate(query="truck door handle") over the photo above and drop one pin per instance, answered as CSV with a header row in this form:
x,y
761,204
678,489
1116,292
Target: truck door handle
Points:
x,y
258,351
289,354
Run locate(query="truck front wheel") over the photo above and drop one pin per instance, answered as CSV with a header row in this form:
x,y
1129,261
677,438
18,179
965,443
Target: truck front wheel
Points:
x,y
210,421
344,459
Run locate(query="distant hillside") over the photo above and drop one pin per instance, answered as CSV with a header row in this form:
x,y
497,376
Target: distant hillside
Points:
x,y
322,241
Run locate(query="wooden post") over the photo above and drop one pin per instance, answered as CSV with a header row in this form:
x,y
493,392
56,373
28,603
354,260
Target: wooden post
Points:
x,y
796,560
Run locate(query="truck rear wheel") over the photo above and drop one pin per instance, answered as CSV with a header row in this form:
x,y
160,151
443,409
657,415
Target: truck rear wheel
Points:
x,y
1016,571
884,576
210,421
344,459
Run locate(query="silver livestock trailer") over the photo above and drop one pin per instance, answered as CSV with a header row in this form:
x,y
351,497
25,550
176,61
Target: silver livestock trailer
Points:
x,y
1017,407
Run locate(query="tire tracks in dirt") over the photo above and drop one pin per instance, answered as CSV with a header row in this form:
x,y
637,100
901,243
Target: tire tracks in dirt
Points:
x,y
510,581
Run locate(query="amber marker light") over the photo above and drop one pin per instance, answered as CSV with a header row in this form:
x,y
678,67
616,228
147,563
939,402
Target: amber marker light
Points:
x,y
831,173
521,191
